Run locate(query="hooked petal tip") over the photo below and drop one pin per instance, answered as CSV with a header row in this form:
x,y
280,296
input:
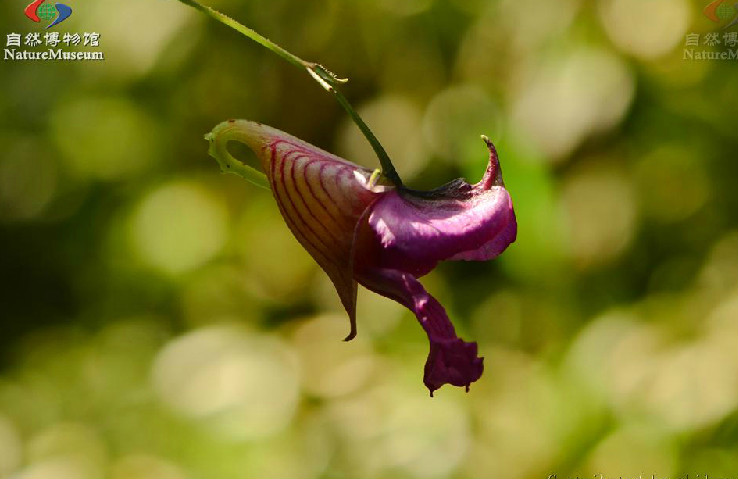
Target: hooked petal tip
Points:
x,y
352,332
493,173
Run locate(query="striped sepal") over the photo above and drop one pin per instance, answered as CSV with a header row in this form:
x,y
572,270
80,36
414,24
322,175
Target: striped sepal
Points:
x,y
321,198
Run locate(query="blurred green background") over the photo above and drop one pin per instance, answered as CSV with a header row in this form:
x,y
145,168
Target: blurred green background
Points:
x,y
158,320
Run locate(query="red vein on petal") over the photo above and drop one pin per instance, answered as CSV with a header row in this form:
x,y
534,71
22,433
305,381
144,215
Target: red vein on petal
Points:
x,y
308,160
294,194
337,202
291,217
332,204
349,206
338,273
321,204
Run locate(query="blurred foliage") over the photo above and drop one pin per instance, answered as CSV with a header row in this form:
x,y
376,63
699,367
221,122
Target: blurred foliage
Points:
x,y
159,321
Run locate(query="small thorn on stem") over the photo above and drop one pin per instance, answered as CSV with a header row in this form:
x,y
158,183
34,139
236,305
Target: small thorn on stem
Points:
x,y
334,77
316,76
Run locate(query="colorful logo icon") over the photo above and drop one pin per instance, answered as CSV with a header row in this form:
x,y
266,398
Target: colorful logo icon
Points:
x,y
720,11
38,10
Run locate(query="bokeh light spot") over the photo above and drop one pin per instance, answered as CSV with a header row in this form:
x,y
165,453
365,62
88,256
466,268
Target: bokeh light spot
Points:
x,y
397,122
130,55
645,28
28,179
145,466
422,448
245,386
633,450
177,227
276,265
599,209
672,183
406,7
332,367
104,138
11,448
457,115
558,104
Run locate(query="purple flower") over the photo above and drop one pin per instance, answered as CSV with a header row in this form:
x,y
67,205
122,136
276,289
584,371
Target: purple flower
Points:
x,y
385,238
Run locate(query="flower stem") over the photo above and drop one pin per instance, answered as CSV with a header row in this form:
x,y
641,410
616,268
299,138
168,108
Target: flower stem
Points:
x,y
265,42
328,81
325,78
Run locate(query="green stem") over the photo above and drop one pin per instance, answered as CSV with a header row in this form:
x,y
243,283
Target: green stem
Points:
x,y
265,42
388,169
325,78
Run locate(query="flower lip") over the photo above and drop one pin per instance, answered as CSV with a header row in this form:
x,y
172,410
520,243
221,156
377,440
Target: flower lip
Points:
x,y
457,221
404,235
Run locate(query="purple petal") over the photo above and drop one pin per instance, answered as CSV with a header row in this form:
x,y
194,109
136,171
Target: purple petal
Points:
x,y
450,360
458,221
404,234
